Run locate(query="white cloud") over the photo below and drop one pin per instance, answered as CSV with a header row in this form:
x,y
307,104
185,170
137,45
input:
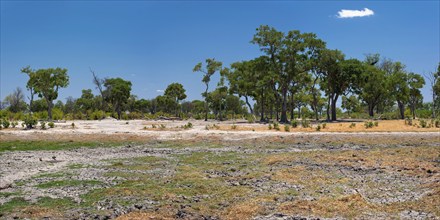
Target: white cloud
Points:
x,y
344,13
159,90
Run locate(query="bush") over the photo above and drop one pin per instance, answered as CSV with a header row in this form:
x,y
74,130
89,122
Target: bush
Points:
x,y
376,123
352,125
14,124
276,126
43,125
5,123
305,123
73,125
437,123
287,128
51,124
318,128
233,127
423,123
250,118
324,125
270,127
368,124
30,121
294,123
187,126
409,121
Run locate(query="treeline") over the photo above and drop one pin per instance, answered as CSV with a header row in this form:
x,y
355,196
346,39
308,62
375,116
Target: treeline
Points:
x,y
296,76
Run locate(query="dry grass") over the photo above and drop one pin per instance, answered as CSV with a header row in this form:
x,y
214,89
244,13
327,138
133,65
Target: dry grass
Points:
x,y
245,210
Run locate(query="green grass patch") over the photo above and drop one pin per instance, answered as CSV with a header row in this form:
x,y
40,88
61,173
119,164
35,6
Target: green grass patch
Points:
x,y
61,183
13,204
51,145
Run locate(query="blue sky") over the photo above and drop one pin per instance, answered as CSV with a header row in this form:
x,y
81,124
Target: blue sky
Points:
x,y
153,43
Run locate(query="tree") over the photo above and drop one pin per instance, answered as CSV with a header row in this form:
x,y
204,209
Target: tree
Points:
x,y
86,101
46,82
434,83
415,82
371,86
211,67
117,91
15,101
399,87
99,83
30,84
351,104
289,55
176,92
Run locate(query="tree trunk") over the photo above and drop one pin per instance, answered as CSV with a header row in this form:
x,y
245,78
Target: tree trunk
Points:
x,y
292,116
334,100
262,106
206,102
433,104
49,109
249,105
328,108
284,107
299,112
371,110
401,107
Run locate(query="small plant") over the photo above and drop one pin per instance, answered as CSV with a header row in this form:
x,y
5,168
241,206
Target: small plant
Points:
x,y
30,121
43,125
73,125
162,126
276,126
437,123
270,127
409,121
5,123
368,124
318,128
51,124
14,124
423,123
187,126
145,128
305,123
376,124
233,127
324,125
294,123
126,122
287,128
22,124
250,118
352,125
153,126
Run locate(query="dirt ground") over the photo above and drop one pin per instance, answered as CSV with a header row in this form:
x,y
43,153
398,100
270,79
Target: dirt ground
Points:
x,y
227,170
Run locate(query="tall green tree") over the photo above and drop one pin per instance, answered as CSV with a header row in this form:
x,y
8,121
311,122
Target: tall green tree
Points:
x,y
86,101
351,104
212,66
46,83
117,91
176,92
415,82
399,87
434,84
289,55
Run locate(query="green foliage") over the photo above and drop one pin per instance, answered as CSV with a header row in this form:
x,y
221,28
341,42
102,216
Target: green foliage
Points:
x,y
270,126
5,123
43,125
250,118
117,93
276,126
187,126
287,128
423,123
318,127
30,121
376,123
437,123
352,125
368,124
51,124
294,123
233,127
409,121
324,125
14,124
72,125
305,123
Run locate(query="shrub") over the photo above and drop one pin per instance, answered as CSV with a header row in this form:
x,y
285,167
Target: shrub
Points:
x,y
30,121
270,127
153,126
51,124
376,123
187,126
368,124
437,123
233,127
162,126
5,123
276,126
352,125
423,123
409,121
73,125
305,123
294,123
324,125
250,118
287,128
318,128
43,125
14,124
